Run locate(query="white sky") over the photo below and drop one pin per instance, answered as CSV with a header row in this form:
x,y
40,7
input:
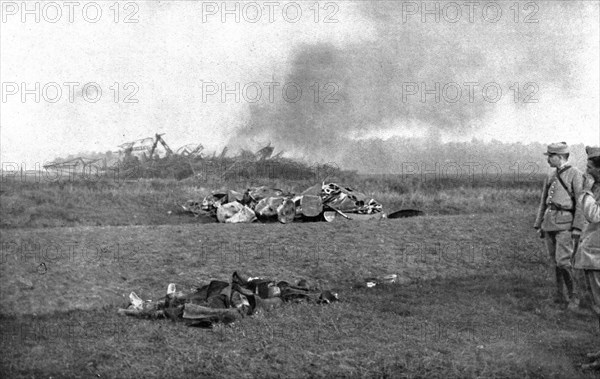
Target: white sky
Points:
x,y
170,51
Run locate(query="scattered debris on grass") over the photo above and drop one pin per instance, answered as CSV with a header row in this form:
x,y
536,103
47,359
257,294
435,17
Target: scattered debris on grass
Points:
x,y
377,281
223,302
317,203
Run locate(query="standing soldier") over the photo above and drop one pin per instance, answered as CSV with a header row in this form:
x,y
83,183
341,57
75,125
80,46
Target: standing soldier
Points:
x,y
559,219
587,256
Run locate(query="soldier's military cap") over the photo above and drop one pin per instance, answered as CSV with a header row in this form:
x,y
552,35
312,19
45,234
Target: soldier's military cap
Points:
x,y
592,152
557,148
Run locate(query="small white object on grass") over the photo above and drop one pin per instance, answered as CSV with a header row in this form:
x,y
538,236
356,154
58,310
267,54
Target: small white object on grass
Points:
x,y
26,283
135,301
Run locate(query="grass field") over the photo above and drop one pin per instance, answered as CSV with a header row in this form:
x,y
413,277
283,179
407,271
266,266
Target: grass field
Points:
x,y
35,203
473,297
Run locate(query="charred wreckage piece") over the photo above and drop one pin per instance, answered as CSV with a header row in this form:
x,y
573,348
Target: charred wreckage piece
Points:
x,y
223,302
319,202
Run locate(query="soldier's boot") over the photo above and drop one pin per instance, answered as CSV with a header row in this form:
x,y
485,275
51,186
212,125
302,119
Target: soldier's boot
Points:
x,y
569,283
558,295
573,293
572,289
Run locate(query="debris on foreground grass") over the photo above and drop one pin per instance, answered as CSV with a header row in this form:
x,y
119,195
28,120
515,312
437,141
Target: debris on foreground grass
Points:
x,y
225,302
471,300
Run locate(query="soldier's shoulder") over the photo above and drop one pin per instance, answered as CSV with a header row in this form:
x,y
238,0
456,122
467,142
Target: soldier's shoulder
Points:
x,y
574,171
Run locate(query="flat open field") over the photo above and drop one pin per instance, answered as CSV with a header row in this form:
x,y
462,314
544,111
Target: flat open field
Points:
x,y
473,299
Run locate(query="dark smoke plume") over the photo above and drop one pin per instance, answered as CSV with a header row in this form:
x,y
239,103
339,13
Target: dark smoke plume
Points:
x,y
368,78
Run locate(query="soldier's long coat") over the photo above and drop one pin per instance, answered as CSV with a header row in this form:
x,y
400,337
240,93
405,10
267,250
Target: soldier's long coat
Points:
x,y
588,254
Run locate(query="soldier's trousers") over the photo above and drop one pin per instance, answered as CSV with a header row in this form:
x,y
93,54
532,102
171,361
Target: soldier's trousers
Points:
x,y
560,251
560,247
593,281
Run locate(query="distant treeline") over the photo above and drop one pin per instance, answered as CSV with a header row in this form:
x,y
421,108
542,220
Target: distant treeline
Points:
x,y
411,156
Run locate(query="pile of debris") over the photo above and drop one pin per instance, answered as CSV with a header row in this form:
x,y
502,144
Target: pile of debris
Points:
x,y
223,302
316,203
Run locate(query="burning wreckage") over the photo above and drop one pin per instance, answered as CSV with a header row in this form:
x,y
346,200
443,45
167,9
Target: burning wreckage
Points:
x,y
319,202
225,302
